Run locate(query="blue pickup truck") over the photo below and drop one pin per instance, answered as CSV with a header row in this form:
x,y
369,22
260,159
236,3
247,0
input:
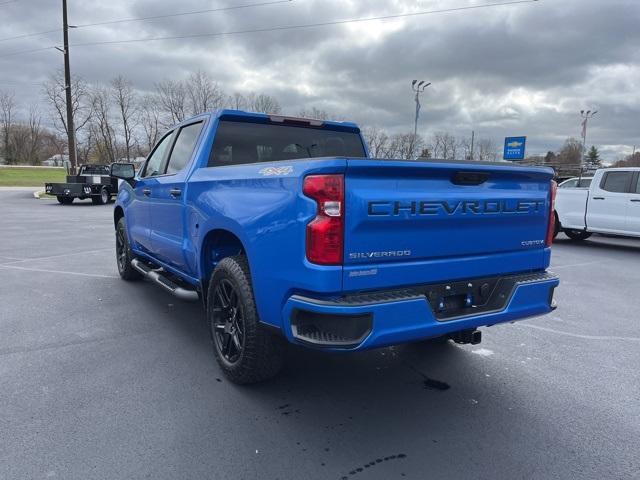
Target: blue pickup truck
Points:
x,y
286,230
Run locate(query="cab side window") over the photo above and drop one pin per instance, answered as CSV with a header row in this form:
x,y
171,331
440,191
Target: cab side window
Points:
x,y
183,148
616,182
155,162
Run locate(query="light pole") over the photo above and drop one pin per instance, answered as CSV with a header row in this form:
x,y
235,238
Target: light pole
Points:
x,y
585,119
418,89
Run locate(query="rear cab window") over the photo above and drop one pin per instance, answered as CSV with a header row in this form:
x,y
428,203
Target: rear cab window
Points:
x,y
238,142
94,170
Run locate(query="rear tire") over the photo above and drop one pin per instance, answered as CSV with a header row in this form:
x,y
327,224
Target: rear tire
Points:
x,y
124,255
577,235
64,200
101,199
245,350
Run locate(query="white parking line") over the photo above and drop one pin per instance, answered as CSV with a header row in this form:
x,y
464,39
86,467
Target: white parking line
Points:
x,y
578,335
60,272
16,260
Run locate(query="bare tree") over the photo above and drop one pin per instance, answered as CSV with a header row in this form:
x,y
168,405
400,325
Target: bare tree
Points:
x,y
315,113
34,144
486,151
26,139
54,91
632,160
464,146
172,96
408,146
7,107
378,140
87,147
238,101
263,103
444,146
81,107
150,120
204,94
102,126
125,100
570,153
55,145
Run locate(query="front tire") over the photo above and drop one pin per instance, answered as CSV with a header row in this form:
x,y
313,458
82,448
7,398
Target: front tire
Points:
x,y
124,255
245,350
577,235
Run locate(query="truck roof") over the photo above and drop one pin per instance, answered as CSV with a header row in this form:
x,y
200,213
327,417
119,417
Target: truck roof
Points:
x,y
241,115
628,169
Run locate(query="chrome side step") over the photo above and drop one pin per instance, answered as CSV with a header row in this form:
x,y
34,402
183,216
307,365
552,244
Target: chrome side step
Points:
x,y
156,276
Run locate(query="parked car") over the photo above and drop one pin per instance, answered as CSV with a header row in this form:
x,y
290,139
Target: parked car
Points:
x,y
610,205
92,181
288,231
576,182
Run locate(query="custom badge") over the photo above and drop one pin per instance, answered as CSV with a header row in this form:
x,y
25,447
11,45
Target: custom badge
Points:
x,y
276,171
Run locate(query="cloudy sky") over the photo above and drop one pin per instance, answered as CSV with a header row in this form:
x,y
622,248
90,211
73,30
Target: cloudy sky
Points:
x,y
521,69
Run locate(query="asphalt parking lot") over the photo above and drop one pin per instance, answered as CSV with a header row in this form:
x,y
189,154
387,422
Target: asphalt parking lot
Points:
x,y
102,379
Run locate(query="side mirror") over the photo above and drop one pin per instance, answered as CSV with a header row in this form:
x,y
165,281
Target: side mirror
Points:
x,y
124,171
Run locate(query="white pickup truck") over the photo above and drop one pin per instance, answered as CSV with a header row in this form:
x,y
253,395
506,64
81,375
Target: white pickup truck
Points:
x,y
611,204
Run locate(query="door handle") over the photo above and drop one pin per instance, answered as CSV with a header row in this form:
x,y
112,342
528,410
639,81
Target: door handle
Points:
x,y
146,192
175,192
635,199
598,198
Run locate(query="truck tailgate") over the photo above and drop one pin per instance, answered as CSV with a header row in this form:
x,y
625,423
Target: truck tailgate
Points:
x,y
419,222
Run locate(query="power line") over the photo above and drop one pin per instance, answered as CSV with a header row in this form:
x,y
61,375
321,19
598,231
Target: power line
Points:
x,y
300,26
21,52
180,14
154,17
27,35
284,27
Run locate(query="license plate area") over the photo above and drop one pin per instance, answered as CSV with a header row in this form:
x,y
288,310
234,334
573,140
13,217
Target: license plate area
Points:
x,y
458,299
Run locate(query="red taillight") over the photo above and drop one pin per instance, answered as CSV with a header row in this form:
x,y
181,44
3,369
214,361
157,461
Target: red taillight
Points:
x,y
325,233
552,213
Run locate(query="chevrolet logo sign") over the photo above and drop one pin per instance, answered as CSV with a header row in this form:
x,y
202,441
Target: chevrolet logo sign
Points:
x,y
514,144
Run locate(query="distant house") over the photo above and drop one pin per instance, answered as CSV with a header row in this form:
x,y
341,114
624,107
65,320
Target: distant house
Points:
x,y
57,161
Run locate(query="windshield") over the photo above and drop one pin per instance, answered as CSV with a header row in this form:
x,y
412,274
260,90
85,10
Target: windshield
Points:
x,y
243,142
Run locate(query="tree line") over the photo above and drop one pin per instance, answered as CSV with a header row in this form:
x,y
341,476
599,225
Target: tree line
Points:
x,y
115,121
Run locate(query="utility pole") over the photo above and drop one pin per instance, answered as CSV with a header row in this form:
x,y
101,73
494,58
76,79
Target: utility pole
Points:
x,y
473,135
585,119
71,132
418,90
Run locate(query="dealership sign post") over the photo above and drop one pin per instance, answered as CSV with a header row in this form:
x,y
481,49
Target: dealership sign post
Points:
x,y
514,148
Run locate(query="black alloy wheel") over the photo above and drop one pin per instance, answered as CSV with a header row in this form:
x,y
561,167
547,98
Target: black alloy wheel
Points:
x,y
124,255
228,322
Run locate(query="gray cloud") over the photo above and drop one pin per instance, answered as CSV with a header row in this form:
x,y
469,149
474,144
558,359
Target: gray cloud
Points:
x,y
524,69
